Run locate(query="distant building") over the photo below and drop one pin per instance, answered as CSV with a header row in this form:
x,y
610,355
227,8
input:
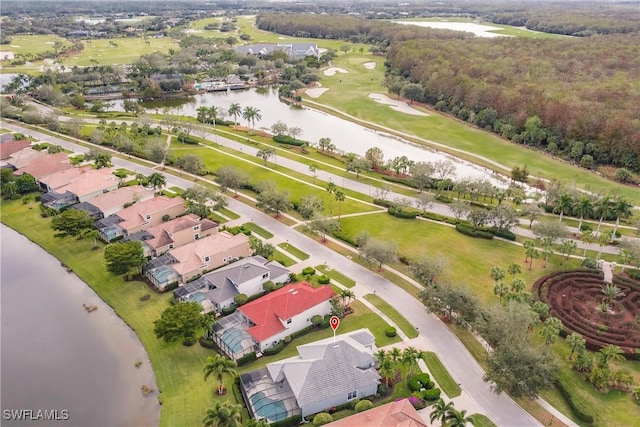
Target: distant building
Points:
x,y
297,50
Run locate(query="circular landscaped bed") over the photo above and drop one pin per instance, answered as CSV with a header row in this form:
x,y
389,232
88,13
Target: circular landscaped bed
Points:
x,y
576,297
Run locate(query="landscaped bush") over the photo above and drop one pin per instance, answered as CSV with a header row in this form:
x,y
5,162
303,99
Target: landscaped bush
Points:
x,y
274,349
256,296
418,381
390,332
444,199
383,389
505,234
325,322
363,405
269,286
440,218
291,421
431,394
384,203
316,320
308,271
301,332
208,344
240,299
345,237
288,140
589,263
324,279
578,407
238,229
247,358
322,418
399,213
473,233
634,274
228,310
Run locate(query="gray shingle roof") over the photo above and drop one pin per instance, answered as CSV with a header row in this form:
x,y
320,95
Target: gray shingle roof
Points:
x,y
325,369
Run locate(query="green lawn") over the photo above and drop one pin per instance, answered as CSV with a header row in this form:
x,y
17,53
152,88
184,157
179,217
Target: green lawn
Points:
x,y
480,420
441,375
228,213
255,228
408,329
349,93
337,276
294,251
282,258
469,260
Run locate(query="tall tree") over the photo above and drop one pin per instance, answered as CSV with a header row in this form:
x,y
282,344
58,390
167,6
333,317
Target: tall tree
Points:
x,y
251,115
202,114
235,110
190,163
440,411
220,366
340,196
458,419
603,209
202,200
179,321
380,251
331,189
426,270
323,225
229,177
265,154
576,342
584,208
157,180
72,222
621,209
124,257
563,205
609,353
550,330
223,414
273,201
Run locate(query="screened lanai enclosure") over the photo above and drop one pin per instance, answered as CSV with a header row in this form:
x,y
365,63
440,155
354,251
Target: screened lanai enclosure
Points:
x,y
266,399
232,336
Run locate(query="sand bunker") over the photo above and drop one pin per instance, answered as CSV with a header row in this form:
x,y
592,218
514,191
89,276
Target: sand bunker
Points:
x,y
316,92
333,70
369,65
400,106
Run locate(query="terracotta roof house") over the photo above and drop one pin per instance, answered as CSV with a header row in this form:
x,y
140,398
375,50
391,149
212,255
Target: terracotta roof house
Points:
x,y
7,148
112,202
216,290
39,164
22,158
93,183
174,233
326,373
140,216
394,414
258,325
56,180
196,258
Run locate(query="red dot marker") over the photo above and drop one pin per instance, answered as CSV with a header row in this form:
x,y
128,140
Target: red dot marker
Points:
x,y
334,322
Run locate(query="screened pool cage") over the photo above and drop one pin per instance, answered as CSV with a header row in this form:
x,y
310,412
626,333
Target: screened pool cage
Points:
x,y
266,399
232,336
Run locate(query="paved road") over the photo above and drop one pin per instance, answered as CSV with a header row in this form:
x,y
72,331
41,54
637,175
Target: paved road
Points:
x,y
458,361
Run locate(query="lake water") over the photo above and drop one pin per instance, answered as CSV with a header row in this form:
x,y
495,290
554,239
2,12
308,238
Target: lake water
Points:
x,y
345,135
56,356
477,29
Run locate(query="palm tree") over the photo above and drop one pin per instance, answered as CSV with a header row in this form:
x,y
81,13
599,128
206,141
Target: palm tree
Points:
x,y
584,207
603,239
395,355
387,369
587,237
212,114
563,204
158,180
621,209
10,189
235,110
223,414
102,160
440,411
602,209
409,358
202,114
514,269
219,366
457,419
609,353
501,290
251,114
575,341
611,293
347,296
207,323
331,189
339,194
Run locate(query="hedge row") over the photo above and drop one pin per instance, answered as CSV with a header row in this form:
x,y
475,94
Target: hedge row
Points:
x,y
291,421
384,203
403,214
469,231
578,407
288,140
345,237
247,358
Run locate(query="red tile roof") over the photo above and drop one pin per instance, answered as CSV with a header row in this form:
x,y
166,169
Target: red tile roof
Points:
x,y
270,311
10,147
394,414
46,165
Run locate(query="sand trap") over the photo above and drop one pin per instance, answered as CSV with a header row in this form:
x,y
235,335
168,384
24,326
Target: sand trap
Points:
x,y
192,31
396,105
48,43
369,65
14,45
333,70
316,92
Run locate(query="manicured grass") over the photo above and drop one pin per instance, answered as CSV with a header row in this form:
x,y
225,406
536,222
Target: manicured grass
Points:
x,y
255,228
337,276
282,258
408,329
294,251
228,213
349,93
217,218
480,420
361,317
441,375
178,369
466,257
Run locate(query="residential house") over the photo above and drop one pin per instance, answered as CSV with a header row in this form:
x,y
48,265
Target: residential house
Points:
x,y
217,289
259,324
172,234
38,164
114,201
196,258
8,148
326,373
393,414
75,185
140,216
297,50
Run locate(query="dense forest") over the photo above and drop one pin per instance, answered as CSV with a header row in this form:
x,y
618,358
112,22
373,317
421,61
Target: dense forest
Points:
x,y
578,98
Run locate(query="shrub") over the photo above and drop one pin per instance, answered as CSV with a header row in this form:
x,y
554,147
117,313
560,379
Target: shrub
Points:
x,y
316,320
324,279
589,263
384,203
431,394
228,310
390,332
399,213
268,286
240,299
287,339
345,237
274,349
166,218
505,234
208,344
469,231
322,418
578,407
286,139
444,199
247,358
418,381
325,321
634,274
291,421
308,271
416,402
383,389
363,405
